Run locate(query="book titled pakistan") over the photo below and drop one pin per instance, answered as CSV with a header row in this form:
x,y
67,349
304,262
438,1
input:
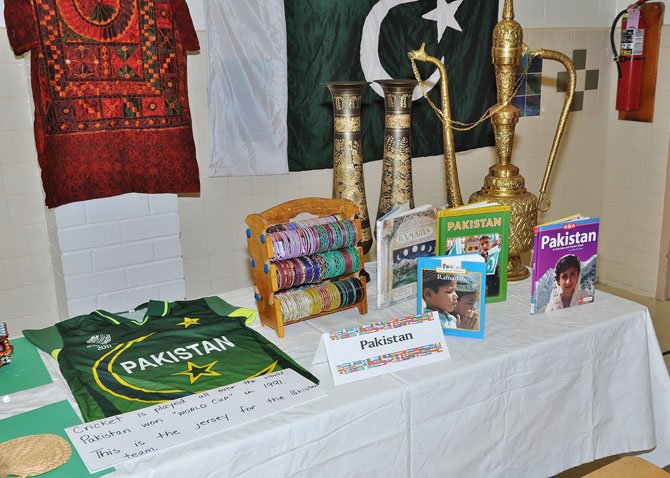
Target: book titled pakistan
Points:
x,y
564,263
478,228
403,235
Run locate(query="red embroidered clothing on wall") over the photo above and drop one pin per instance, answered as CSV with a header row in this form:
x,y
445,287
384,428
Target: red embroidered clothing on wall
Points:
x,y
111,103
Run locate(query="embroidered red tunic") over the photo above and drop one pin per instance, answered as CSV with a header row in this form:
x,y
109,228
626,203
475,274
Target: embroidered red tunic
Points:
x,y
111,103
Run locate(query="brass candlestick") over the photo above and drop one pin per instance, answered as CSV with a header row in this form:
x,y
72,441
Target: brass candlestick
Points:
x,y
504,184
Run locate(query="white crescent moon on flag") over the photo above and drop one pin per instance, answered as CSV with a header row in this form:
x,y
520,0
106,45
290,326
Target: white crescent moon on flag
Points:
x,y
372,67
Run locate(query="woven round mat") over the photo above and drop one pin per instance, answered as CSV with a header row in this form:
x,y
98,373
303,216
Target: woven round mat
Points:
x,y
33,455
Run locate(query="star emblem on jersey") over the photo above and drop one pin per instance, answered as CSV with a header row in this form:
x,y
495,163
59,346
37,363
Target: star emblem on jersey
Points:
x,y
189,321
194,371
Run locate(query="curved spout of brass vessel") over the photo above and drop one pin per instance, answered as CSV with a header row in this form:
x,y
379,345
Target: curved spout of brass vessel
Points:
x,y
572,81
453,186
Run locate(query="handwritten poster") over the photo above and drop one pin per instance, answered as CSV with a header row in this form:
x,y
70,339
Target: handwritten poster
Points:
x,y
109,441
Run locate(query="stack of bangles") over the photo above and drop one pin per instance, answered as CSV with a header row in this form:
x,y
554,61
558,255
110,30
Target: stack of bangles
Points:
x,y
287,226
305,301
317,267
5,348
313,239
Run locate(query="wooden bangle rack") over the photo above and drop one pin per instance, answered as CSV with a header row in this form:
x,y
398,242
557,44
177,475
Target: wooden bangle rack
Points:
x,y
264,271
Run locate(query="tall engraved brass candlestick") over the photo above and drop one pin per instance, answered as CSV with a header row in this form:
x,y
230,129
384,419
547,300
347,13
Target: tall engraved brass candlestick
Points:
x,y
348,180
504,184
396,185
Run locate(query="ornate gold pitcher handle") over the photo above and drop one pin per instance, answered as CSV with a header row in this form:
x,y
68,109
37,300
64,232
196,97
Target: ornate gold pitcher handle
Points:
x,y
453,185
544,203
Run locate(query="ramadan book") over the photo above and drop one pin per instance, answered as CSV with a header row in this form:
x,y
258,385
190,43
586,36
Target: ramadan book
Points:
x,y
403,235
478,228
455,288
564,263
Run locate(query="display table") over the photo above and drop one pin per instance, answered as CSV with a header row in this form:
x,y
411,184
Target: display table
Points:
x,y
540,394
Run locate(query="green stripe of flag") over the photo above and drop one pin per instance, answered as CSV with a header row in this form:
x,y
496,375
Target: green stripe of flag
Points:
x,y
324,44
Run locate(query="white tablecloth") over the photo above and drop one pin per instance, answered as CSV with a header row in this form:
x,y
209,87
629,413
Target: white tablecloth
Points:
x,y
538,395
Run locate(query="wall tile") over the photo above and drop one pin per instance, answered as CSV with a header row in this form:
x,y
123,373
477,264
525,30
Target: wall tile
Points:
x,y
9,279
117,208
223,265
69,215
217,213
38,298
154,226
122,255
128,299
95,284
154,272
162,203
219,240
241,186
89,236
16,112
6,244
196,271
173,290
26,209
167,248
571,13
20,178
75,263
18,146
194,244
82,306
529,13
35,269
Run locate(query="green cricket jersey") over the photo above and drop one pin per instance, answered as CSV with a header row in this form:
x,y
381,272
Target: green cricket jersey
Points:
x,y
162,351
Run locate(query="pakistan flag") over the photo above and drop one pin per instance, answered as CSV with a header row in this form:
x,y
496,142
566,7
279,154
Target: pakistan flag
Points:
x,y
336,40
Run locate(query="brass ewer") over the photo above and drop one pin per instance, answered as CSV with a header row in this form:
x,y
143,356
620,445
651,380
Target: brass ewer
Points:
x,y
348,181
504,184
396,187
454,197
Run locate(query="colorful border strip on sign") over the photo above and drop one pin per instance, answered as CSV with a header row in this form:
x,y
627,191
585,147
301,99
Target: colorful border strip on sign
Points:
x,y
379,326
394,357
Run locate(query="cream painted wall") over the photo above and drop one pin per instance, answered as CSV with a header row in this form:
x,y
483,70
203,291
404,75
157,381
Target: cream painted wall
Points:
x,y
635,183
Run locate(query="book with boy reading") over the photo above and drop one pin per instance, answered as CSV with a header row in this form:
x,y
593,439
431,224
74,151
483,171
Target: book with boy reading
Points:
x,y
455,288
403,235
564,263
478,228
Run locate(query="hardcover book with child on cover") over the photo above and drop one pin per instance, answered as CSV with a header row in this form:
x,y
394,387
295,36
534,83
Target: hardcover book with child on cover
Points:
x,y
454,287
564,263
478,228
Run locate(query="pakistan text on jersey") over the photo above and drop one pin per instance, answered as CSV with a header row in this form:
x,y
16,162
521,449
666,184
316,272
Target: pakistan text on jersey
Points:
x,y
180,354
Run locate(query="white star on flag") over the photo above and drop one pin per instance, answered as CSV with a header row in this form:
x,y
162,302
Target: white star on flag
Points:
x,y
444,16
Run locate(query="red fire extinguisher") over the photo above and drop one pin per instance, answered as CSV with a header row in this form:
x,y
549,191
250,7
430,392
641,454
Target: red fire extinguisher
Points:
x,y
630,60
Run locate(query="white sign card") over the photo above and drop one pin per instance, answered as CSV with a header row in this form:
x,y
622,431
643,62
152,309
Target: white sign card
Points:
x,y
384,347
109,441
